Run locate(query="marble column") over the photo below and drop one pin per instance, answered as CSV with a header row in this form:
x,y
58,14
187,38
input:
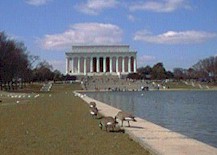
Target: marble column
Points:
x,y
110,63
97,66
129,65
91,64
104,64
72,65
123,68
85,66
134,64
117,64
79,64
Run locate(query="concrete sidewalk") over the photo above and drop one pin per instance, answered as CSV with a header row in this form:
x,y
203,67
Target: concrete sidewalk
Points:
x,y
156,139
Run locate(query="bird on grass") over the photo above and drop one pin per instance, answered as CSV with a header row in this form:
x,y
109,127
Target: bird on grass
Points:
x,y
94,111
109,123
92,104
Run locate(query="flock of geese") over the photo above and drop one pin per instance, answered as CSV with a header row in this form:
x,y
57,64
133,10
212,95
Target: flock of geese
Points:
x,y
109,123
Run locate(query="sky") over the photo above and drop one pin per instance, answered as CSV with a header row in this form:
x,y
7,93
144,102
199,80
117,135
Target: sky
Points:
x,y
177,33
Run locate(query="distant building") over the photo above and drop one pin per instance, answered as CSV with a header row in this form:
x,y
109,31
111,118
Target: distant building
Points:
x,y
100,59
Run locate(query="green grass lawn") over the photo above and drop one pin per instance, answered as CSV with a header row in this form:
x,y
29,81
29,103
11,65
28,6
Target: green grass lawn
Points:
x,y
182,85
58,123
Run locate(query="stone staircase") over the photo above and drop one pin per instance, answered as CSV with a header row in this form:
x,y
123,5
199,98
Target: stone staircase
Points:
x,y
114,83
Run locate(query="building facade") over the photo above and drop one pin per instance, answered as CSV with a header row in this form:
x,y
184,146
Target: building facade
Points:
x,y
100,59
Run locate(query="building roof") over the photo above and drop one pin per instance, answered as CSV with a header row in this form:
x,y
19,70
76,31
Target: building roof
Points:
x,y
99,48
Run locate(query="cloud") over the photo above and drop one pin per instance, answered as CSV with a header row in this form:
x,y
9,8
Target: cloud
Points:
x,y
83,33
94,7
172,37
159,6
37,2
131,18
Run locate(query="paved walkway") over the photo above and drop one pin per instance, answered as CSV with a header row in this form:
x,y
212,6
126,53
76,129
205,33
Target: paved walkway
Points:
x,y
156,139
46,87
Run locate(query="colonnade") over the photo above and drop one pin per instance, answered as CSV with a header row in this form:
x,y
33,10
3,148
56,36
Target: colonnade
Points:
x,y
81,65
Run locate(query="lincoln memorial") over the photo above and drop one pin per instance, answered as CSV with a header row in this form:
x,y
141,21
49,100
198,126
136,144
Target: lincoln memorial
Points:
x,y
100,59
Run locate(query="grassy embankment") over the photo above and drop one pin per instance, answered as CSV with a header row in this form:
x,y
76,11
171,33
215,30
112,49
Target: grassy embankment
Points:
x,y
180,85
57,123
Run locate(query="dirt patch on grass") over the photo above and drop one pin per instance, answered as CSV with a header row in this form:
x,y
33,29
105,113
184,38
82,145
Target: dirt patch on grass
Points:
x,y
58,123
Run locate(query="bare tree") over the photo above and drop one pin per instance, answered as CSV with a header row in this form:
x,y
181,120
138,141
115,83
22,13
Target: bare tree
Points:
x,y
14,62
43,72
207,68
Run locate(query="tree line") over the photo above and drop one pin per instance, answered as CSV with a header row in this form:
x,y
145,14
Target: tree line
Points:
x,y
204,70
157,72
17,65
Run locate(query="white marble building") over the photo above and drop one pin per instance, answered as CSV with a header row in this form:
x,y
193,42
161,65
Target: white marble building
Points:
x,y
100,59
